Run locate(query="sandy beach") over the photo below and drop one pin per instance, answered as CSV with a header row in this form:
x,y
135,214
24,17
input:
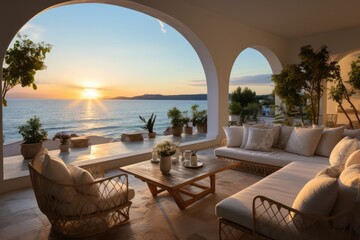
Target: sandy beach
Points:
x,y
13,149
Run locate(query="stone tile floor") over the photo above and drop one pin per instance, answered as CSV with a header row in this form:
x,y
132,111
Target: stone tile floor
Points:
x,y
150,218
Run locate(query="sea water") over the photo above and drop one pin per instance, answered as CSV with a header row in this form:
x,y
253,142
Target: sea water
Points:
x,y
107,118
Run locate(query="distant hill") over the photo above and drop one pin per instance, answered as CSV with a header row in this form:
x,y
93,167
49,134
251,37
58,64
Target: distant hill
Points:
x,y
164,97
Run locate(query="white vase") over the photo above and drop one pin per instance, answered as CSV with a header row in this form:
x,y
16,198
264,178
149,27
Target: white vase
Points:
x,y
165,164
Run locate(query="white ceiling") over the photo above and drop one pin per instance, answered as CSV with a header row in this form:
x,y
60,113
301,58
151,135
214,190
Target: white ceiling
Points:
x,y
287,18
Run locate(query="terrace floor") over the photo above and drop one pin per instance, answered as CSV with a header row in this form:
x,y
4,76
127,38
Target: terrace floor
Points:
x,y
150,218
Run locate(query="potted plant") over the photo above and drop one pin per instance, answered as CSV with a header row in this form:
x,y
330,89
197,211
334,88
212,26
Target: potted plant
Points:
x,y
199,118
33,137
149,125
186,120
64,141
176,121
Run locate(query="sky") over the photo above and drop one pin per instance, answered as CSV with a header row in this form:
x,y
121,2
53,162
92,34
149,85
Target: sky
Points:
x,y
103,50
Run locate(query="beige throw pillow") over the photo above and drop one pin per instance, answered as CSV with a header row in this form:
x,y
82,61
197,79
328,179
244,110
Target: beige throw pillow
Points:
x,y
332,171
234,136
303,141
354,158
83,177
349,193
55,169
284,136
329,138
260,139
246,132
318,196
342,151
39,159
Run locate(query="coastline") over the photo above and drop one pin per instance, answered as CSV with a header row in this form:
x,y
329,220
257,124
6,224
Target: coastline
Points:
x,y
13,149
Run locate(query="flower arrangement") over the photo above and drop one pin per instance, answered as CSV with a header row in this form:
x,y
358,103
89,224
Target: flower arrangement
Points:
x,y
63,137
166,148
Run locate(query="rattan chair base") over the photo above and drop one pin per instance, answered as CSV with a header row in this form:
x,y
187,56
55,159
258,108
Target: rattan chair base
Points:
x,y
259,169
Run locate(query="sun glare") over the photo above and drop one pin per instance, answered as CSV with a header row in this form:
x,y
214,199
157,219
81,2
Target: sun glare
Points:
x,y
90,93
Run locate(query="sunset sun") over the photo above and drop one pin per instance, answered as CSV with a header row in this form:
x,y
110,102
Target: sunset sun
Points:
x,y
90,93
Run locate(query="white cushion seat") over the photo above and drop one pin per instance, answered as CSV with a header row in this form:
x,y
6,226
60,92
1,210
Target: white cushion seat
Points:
x,y
276,157
112,195
282,186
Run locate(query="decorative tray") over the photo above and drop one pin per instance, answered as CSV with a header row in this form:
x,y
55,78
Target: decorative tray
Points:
x,y
188,164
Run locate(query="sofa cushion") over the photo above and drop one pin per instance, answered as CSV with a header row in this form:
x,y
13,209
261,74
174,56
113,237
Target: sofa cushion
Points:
x,y
332,171
303,141
352,133
349,187
282,186
317,197
284,136
342,151
246,132
81,179
329,138
234,136
260,139
39,159
275,157
56,170
354,158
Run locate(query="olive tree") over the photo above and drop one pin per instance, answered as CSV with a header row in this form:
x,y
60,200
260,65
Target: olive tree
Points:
x,y
21,63
309,75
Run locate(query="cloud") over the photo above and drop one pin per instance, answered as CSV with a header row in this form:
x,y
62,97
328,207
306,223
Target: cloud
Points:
x,y
252,80
33,31
162,26
261,79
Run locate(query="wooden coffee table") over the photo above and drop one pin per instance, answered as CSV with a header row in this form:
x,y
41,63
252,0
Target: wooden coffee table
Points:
x,y
179,178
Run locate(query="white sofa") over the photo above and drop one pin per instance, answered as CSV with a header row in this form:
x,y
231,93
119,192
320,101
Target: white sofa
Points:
x,y
264,209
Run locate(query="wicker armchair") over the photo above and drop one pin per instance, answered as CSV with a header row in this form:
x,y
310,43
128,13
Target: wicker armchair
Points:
x,y
274,220
82,214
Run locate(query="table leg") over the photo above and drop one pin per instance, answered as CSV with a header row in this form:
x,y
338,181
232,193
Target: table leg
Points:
x,y
212,183
154,190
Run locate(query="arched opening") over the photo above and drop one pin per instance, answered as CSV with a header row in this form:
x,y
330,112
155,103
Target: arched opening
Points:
x,y
250,86
332,107
205,58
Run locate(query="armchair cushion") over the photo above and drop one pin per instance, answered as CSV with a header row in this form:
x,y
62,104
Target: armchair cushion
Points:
x,y
82,178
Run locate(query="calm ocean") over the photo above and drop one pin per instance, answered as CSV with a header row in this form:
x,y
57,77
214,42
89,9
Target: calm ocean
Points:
x,y
107,118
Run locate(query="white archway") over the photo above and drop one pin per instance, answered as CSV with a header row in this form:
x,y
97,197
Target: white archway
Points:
x,y
200,48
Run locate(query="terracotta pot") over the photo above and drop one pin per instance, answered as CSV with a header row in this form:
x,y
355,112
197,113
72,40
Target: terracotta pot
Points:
x,y
29,150
64,147
188,130
202,128
165,164
177,131
152,135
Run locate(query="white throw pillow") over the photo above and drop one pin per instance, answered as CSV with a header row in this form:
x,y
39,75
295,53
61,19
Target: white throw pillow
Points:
x,y
342,151
234,136
303,141
329,138
39,159
246,132
332,171
80,177
318,196
349,193
260,139
354,158
276,129
55,169
284,136
352,133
